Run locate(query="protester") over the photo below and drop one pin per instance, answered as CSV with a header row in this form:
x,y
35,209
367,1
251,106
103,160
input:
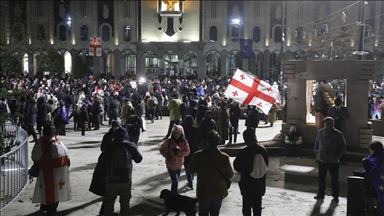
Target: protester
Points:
x,y
252,187
174,149
293,142
53,182
211,166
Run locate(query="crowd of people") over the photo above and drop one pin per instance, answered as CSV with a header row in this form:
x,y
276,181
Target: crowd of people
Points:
x,y
200,119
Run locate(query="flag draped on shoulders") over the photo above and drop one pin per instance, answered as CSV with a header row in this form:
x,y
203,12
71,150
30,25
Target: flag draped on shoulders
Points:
x,y
249,90
53,183
377,175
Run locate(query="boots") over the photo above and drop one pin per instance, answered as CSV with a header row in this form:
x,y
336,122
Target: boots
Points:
x,y
230,136
234,137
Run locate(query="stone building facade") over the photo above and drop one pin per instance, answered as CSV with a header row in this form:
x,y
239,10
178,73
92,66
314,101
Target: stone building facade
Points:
x,y
176,37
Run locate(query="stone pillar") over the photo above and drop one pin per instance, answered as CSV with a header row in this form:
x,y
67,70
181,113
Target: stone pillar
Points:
x,y
117,59
265,12
290,6
201,71
122,65
223,62
48,6
31,72
181,67
74,71
98,65
245,65
265,72
139,63
94,20
377,21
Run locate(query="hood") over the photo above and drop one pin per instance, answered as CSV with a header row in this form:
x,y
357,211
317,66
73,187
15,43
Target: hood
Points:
x,y
41,100
121,134
178,128
188,121
207,112
329,119
192,103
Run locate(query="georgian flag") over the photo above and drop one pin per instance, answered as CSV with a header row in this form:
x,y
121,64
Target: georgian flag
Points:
x,y
249,90
94,46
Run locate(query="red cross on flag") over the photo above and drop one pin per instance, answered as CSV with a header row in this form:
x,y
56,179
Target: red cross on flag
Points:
x,y
94,46
249,90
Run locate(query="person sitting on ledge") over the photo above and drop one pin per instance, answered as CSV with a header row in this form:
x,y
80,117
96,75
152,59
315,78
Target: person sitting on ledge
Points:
x,y
293,141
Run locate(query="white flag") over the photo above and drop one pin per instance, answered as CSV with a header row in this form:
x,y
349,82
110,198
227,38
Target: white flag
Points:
x,y
249,90
94,46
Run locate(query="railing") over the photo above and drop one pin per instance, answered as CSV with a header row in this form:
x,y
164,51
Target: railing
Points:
x,y
14,164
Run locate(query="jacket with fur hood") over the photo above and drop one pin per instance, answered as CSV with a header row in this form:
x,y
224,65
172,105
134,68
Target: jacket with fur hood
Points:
x,y
175,161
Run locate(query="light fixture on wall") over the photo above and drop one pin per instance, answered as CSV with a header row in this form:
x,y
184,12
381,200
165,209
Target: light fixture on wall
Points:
x,y
267,42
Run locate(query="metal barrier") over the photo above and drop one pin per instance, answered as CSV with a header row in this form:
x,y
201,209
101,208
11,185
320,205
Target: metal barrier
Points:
x,y
14,164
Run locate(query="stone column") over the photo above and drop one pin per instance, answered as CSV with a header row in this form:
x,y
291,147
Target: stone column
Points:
x,y
48,6
245,65
117,59
265,72
31,72
377,21
139,63
98,65
181,67
201,66
223,62
265,12
74,71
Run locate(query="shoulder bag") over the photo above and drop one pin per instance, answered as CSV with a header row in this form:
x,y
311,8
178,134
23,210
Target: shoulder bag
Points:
x,y
227,181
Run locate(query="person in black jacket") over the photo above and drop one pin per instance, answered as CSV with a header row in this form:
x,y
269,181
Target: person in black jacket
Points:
x,y
205,126
193,136
119,172
234,117
43,111
252,119
252,189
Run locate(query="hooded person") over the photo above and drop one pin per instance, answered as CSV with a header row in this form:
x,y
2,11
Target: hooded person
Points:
x,y
252,187
205,126
293,141
329,147
174,149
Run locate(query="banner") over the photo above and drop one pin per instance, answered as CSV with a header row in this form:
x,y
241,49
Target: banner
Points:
x,y
246,47
94,46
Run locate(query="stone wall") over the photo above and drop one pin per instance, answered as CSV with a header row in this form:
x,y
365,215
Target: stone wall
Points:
x,y
357,75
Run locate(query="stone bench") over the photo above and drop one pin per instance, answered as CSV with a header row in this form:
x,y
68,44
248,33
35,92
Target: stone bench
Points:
x,y
377,126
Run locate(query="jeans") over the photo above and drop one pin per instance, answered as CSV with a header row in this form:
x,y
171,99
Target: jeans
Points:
x,y
211,208
249,203
112,190
174,174
190,177
171,123
333,169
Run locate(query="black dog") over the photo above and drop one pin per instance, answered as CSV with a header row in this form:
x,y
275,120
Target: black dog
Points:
x,y
178,203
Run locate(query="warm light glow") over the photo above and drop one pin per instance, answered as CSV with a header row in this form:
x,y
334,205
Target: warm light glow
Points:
x,y
352,43
116,41
224,42
29,40
376,42
170,5
310,43
297,168
73,40
52,41
289,42
187,41
267,42
145,41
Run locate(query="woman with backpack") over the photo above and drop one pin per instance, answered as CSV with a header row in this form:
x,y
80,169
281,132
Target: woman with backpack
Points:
x,y
174,149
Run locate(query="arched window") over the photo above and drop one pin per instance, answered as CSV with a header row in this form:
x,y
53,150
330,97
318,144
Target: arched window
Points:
x,y
256,34
130,63
105,33
300,34
40,32
231,64
212,62
213,34
278,34
235,31
25,63
84,33
62,33
127,33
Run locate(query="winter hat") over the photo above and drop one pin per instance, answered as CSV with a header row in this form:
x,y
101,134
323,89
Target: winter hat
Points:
x,y
330,119
292,129
249,135
115,123
178,128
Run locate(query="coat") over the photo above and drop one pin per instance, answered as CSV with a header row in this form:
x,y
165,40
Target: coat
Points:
x,y
174,109
343,116
243,164
30,113
174,161
193,136
329,145
222,123
210,184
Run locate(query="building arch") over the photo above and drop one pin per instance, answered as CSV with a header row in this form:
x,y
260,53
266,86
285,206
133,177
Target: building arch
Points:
x,y
212,62
171,63
151,63
129,62
62,30
277,32
106,32
190,63
67,62
231,63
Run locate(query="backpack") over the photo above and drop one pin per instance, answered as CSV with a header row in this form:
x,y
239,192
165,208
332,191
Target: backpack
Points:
x,y
155,101
259,167
120,164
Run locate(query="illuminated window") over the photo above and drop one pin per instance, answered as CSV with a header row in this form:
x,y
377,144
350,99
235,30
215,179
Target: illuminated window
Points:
x,y
26,64
127,33
170,5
